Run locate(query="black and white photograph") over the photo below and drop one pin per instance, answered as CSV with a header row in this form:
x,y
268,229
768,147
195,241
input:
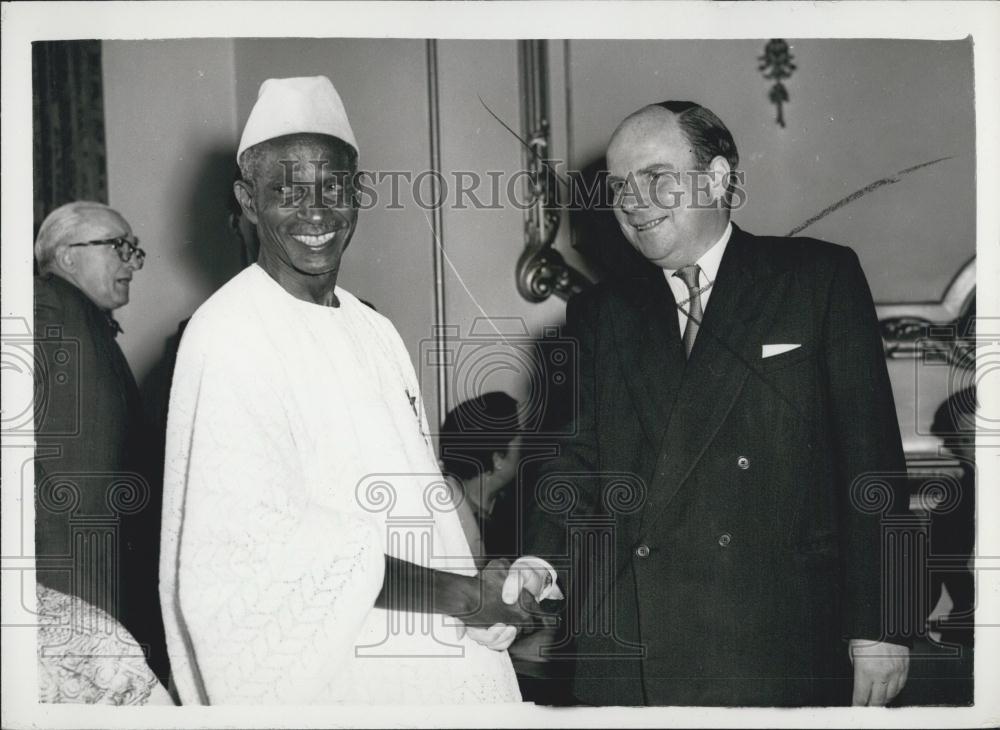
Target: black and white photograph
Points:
x,y
500,364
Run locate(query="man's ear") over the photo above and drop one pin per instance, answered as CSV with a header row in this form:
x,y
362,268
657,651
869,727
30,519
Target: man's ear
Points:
x,y
499,459
244,196
65,258
719,169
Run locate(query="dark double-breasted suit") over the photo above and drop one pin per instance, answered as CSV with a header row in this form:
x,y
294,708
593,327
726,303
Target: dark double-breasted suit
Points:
x,y
725,512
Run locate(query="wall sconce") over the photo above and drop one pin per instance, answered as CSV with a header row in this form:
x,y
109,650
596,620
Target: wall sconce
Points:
x,y
776,65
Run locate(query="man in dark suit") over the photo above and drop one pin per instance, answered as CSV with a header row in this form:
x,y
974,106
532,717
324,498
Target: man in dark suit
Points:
x,y
96,511
736,440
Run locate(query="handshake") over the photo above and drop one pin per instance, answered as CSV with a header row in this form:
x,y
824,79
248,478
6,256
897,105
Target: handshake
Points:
x,y
505,601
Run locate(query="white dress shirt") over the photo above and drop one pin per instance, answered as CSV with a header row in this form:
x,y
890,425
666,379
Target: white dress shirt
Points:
x,y
709,265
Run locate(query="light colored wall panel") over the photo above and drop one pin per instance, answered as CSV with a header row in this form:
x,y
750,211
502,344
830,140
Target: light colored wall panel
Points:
x,y
170,117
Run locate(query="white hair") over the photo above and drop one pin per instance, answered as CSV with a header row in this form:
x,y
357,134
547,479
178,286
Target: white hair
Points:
x,y
60,225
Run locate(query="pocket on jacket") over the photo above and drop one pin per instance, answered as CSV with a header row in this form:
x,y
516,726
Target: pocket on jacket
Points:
x,y
785,359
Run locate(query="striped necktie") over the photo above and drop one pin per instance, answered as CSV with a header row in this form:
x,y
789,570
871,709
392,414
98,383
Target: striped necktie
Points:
x,y
689,275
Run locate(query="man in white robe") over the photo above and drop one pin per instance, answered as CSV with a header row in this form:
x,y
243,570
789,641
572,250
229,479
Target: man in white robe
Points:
x,y
310,553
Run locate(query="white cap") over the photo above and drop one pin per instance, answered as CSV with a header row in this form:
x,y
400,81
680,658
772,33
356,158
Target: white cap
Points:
x,y
295,106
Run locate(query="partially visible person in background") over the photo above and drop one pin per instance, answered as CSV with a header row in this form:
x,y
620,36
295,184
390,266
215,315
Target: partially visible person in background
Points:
x,y
92,479
953,528
480,453
480,448
86,657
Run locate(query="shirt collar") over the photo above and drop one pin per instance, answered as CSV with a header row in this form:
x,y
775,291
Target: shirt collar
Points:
x,y
116,328
710,260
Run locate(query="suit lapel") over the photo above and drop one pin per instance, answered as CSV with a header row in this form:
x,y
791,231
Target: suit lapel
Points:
x,y
649,344
746,296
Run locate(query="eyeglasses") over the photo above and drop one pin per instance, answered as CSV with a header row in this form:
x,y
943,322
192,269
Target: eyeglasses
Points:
x,y
124,247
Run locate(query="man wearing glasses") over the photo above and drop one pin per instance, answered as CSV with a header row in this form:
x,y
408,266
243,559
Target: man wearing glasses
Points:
x,y
96,515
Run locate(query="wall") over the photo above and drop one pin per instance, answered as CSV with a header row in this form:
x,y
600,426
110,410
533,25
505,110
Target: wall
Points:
x,y
170,121
859,110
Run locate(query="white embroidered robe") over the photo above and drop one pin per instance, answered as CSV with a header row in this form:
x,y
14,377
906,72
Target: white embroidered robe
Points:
x,y
295,460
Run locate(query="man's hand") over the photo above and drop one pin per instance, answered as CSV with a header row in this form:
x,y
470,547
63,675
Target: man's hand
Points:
x,y
527,576
475,601
525,580
497,637
494,621
529,648
880,670
532,575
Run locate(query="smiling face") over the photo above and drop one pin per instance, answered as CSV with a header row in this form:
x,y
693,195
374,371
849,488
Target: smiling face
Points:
x,y
652,171
301,201
97,270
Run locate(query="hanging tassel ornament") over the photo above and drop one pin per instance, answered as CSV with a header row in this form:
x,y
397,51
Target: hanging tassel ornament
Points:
x,y
776,64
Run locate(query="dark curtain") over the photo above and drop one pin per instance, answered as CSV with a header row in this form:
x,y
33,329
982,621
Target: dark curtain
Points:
x,y
68,124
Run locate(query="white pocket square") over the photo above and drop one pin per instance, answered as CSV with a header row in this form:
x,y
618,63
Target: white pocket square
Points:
x,y
772,350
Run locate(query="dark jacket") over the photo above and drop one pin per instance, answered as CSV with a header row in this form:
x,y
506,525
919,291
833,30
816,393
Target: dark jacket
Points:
x,y
96,506
727,511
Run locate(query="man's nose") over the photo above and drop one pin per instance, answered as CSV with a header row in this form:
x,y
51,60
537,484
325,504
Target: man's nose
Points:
x,y
309,213
631,197
311,207
632,201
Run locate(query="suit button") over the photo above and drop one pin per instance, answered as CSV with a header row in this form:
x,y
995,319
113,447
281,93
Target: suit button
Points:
x,y
724,539
743,462
642,551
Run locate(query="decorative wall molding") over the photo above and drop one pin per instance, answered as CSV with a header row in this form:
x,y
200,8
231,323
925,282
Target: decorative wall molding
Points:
x,y
944,329
541,270
437,223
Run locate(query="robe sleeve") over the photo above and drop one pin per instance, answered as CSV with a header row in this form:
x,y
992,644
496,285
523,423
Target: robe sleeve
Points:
x,y
264,591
